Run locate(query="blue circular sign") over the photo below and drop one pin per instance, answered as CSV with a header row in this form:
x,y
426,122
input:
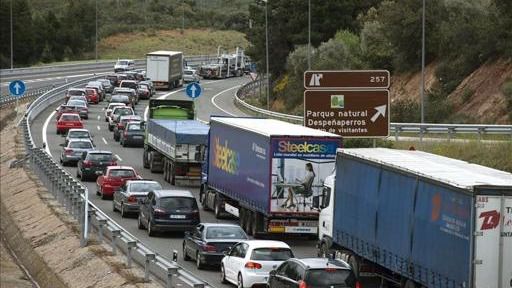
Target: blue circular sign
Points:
x,y
193,90
17,88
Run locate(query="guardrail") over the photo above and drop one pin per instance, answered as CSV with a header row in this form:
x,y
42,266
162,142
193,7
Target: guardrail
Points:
x,y
30,94
73,195
395,128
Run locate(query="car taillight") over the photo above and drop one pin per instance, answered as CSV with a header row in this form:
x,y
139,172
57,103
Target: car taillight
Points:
x,y
119,126
252,265
302,284
358,284
209,248
132,199
87,164
68,151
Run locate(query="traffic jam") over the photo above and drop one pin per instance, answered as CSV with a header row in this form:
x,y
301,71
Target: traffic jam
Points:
x,y
277,179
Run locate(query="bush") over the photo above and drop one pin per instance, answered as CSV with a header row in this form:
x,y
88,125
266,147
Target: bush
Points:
x,y
405,111
507,91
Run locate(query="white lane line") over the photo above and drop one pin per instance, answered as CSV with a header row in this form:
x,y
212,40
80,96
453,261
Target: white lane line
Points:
x,y
45,128
104,141
218,94
119,158
99,119
99,128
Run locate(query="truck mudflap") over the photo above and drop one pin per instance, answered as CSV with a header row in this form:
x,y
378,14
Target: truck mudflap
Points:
x,y
161,85
293,226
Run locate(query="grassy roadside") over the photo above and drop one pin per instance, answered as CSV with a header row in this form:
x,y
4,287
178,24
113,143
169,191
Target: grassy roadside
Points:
x,y
191,42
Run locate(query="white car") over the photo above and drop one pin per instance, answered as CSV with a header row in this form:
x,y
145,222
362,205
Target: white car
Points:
x,y
124,65
111,107
190,75
249,262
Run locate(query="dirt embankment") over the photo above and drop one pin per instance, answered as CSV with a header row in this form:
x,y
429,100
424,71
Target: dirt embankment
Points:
x,y
45,238
479,96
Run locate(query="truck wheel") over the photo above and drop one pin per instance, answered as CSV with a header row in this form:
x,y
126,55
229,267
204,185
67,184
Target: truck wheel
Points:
x,y
145,159
203,199
151,162
255,224
172,176
241,217
250,223
218,208
166,170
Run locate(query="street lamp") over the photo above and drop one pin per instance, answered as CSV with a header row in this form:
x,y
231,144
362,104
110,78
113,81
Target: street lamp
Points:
x,y
266,52
309,34
12,52
422,91
96,36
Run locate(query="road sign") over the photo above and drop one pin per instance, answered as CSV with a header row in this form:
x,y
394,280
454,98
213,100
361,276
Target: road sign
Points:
x,y
17,88
349,113
193,90
346,79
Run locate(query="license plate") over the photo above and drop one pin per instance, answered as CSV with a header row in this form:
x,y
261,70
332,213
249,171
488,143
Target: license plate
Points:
x,y
177,216
137,137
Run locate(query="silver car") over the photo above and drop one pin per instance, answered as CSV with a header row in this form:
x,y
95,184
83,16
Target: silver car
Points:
x,y
78,134
190,75
74,150
126,198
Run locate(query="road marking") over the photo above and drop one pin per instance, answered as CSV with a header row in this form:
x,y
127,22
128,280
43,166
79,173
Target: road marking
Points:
x,y
218,94
119,158
45,127
104,141
99,128
99,120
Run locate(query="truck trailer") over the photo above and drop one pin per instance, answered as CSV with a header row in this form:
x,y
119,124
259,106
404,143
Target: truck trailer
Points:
x,y
165,69
255,171
227,65
419,220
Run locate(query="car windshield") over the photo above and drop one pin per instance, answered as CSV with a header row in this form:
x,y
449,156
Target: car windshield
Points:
x,y
225,233
188,72
76,92
124,112
78,134
144,187
120,98
79,98
100,157
79,103
129,85
121,63
271,254
178,203
80,144
330,276
122,173
134,127
70,118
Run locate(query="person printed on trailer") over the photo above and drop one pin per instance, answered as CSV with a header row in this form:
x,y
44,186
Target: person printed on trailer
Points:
x,y
310,174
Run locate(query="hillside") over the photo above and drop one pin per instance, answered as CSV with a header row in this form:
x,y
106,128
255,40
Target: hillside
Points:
x,y
479,98
191,42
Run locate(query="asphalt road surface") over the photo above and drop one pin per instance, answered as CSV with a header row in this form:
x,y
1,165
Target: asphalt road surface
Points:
x,y
217,99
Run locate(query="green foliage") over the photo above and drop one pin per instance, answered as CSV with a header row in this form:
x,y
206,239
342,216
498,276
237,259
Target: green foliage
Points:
x,y
366,143
437,107
507,91
405,111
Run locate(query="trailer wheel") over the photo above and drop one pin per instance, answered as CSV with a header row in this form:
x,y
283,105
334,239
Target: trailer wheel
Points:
x,y
172,175
166,171
255,224
145,161
241,217
217,208
250,223
203,199
409,284
151,162
323,250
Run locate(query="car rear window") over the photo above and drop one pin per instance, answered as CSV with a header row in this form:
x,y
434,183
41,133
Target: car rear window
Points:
x,y
271,254
144,187
124,112
76,93
80,144
70,118
188,72
122,173
100,157
132,85
78,134
178,203
225,233
134,127
120,98
330,277
78,103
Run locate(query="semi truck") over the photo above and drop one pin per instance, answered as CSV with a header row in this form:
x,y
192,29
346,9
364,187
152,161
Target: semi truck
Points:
x,y
165,69
227,65
177,149
418,220
163,109
256,170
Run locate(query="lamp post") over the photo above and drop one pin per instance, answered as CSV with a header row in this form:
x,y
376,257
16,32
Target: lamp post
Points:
x,y
266,52
422,91
309,34
96,36
12,51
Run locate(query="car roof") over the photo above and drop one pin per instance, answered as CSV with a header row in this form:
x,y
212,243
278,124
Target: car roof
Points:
x,y
122,107
319,263
116,103
79,140
76,89
173,193
100,152
120,167
68,114
266,244
206,225
142,181
131,117
78,129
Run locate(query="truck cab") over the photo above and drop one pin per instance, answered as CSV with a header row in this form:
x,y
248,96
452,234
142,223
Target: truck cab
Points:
x,y
326,206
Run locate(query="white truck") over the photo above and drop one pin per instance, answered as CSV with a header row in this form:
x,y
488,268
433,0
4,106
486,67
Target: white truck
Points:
x,y
165,69
227,65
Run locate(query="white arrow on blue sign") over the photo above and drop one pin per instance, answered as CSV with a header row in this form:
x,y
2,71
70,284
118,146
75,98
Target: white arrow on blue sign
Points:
x,y
193,90
17,88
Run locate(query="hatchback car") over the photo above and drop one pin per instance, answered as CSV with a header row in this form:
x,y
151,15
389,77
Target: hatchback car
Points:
x,y
120,98
92,95
66,109
81,98
130,92
116,113
133,135
74,92
207,243
109,109
249,262
112,178
68,121
144,91
313,272
190,75
81,105
72,152
93,163
121,124
126,198
98,87
168,210
78,134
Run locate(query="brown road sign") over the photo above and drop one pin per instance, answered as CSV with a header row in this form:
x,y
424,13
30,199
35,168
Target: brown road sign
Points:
x,y
346,79
349,113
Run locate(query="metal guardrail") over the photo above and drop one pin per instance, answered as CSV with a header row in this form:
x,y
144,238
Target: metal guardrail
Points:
x,y
30,94
395,128
73,195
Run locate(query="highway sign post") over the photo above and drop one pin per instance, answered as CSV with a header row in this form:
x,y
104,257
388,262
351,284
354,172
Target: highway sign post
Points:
x,y
193,90
17,88
350,103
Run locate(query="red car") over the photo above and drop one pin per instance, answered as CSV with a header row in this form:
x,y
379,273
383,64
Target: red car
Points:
x,y
113,178
92,95
68,121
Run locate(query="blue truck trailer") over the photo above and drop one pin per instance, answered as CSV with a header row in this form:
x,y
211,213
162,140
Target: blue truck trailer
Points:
x,y
177,149
418,219
256,170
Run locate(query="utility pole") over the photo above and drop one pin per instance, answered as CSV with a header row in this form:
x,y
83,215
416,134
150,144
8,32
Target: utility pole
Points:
x,y
96,36
309,34
422,91
182,16
12,51
266,52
